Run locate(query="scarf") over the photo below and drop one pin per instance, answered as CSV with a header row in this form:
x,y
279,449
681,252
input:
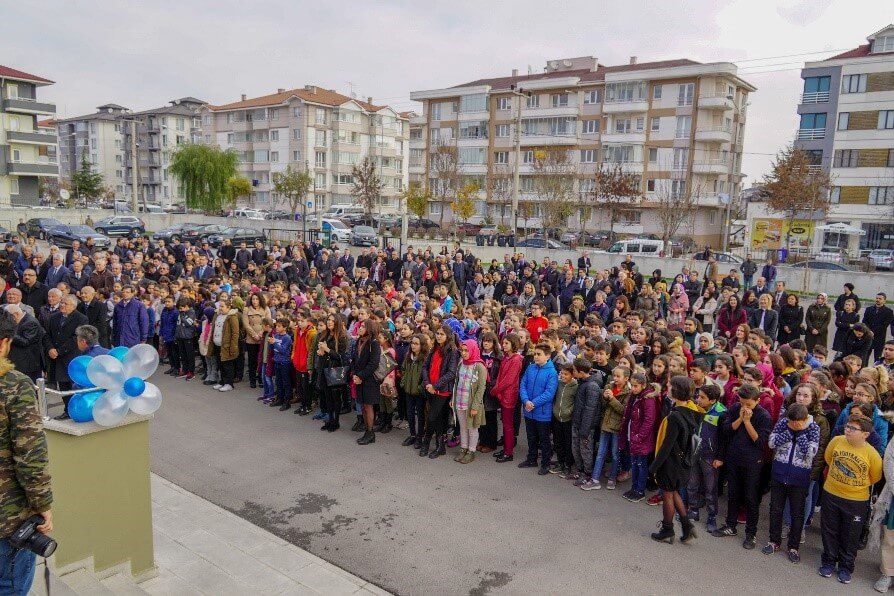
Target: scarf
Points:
x,y
474,352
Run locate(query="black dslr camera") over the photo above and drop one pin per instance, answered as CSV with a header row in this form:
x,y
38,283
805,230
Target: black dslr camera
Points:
x,y
27,537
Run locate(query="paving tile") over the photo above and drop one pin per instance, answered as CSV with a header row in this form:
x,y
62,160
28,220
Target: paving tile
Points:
x,y
324,581
214,550
206,577
288,562
236,534
298,590
369,588
169,553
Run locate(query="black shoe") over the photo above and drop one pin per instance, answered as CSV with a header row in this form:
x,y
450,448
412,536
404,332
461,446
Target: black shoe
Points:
x,y
345,410
424,446
748,543
411,440
528,464
665,533
418,443
500,442
253,385
303,412
358,426
503,458
285,408
367,438
688,532
63,416
543,471
275,403
170,371
325,426
333,427
209,382
439,449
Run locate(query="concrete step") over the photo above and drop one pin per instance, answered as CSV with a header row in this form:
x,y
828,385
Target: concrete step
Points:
x,y
57,586
84,583
123,586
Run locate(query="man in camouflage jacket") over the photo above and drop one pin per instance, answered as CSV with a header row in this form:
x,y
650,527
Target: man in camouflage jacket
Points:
x,y
24,476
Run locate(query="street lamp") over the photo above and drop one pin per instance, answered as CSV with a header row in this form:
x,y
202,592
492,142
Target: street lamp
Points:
x,y
519,94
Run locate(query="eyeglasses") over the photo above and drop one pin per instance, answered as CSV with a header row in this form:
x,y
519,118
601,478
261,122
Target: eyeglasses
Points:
x,y
861,394
852,428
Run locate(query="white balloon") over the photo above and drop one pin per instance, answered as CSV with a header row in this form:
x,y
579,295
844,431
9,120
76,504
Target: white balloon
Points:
x,y
147,402
110,409
106,372
140,361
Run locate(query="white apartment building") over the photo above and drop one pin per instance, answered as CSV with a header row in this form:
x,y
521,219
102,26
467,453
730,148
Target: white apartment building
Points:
x,y
316,129
678,125
97,138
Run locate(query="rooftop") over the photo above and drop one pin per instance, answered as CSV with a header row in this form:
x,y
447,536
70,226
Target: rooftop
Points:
x,y
11,73
309,93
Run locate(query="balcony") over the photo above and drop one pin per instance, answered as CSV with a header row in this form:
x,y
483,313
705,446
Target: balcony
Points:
x,y
632,105
22,105
628,167
810,134
635,137
815,97
548,140
715,134
33,168
30,138
710,166
720,101
420,119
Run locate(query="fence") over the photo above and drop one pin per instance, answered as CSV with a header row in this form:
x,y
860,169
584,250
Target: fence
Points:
x,y
44,392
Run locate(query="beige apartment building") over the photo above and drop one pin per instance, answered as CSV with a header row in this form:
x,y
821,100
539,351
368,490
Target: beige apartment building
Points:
x,y
677,125
97,138
316,129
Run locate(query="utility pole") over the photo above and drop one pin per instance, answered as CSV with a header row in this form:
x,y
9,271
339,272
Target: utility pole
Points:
x,y
515,169
726,222
134,165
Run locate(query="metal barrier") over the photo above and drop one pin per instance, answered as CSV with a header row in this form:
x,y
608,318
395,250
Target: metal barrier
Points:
x,y
43,392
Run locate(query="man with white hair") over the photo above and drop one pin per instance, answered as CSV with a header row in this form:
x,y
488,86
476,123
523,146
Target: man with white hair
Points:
x,y
61,329
28,343
54,296
14,296
57,271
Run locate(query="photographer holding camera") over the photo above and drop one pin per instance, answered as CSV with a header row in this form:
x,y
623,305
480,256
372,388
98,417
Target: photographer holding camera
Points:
x,y
25,494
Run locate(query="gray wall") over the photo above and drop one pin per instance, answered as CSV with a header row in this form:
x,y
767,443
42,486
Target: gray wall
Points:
x,y
830,108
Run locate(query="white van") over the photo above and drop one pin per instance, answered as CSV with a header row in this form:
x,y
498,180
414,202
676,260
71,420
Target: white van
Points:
x,y
336,211
636,246
255,214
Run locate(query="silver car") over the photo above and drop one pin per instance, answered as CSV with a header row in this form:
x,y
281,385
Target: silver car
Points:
x,y
363,236
882,258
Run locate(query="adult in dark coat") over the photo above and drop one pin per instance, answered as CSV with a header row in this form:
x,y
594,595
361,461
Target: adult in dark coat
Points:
x,y
368,352
816,322
848,293
61,331
438,382
791,316
57,271
76,278
227,252
97,315
844,321
857,342
34,293
28,343
765,317
878,318
259,254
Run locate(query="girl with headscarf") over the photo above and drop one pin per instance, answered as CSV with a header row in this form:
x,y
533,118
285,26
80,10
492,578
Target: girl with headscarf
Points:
x,y
468,399
677,307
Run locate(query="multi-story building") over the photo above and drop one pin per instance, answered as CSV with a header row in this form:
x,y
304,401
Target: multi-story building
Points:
x,y
97,139
316,129
25,149
677,125
158,133
846,115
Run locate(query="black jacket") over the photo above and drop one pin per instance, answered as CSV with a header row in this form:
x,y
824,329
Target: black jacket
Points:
x,y
74,283
771,321
588,404
878,319
35,296
62,337
449,367
668,466
28,341
858,346
364,365
98,315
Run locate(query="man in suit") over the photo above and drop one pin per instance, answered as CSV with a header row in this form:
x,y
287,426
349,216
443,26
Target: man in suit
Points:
x,y
765,318
878,318
204,270
54,297
97,315
101,278
28,341
259,254
70,255
34,293
57,271
761,287
780,297
346,261
76,278
130,324
227,252
61,331
14,296
118,276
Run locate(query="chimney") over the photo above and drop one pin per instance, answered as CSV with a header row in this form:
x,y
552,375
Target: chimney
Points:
x,y
369,100
311,88
633,60
515,72
595,65
280,90
243,97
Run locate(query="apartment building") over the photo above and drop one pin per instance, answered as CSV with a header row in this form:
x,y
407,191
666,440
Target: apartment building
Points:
x,y
677,125
316,129
97,138
25,148
159,132
846,116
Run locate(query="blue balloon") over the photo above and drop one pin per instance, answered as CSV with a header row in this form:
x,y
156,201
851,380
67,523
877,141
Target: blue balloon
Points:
x,y
118,353
80,407
134,386
77,371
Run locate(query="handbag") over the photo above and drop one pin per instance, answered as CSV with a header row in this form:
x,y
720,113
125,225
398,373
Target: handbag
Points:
x,y
336,376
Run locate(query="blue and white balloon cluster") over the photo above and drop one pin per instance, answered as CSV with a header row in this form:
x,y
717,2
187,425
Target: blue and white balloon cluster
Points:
x,y
120,379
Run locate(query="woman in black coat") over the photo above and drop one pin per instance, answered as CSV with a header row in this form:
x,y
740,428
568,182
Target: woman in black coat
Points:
x,y
844,321
858,342
332,350
438,378
363,368
791,317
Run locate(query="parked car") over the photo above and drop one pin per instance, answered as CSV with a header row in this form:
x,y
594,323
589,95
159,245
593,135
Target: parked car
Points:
x,y
237,236
150,208
201,233
882,258
175,231
5,235
467,229
283,215
638,246
337,230
387,221
39,227
595,239
825,265
422,223
720,257
358,219
541,243
63,235
363,236
832,254
121,225
176,208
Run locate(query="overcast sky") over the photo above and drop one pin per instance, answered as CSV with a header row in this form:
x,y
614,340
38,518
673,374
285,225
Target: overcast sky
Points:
x,y
143,54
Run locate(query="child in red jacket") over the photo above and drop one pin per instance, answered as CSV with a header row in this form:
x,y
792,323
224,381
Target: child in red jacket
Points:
x,y
505,390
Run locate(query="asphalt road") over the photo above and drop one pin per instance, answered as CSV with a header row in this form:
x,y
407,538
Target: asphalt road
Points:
x,y
416,526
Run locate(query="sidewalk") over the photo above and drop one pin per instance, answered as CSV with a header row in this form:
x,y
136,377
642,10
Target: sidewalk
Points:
x,y
203,549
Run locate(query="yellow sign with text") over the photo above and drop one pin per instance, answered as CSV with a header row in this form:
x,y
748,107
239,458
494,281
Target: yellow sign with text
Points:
x,y
773,234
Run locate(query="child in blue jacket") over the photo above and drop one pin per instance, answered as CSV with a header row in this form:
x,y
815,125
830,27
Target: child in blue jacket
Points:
x,y
167,327
536,393
281,341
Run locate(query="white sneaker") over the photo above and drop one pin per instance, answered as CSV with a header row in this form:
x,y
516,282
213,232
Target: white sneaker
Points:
x,y
217,387
883,584
226,388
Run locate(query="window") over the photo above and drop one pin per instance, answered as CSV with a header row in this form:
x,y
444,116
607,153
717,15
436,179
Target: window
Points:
x,y
655,124
118,159
13,186
846,158
630,217
473,130
274,135
502,130
650,185
685,95
296,112
526,184
640,124
321,116
435,134
560,100
843,120
473,103
296,156
591,97
891,158
501,157
344,179
528,156
504,103
835,195
684,125
206,120
627,91
886,119
814,85
883,44
678,188
274,156
622,125
656,93
320,138
12,92
681,158
434,208
881,195
853,83
296,134
435,111
533,101
472,155
591,127
320,159
653,155
813,121
588,156
712,217
320,180
181,124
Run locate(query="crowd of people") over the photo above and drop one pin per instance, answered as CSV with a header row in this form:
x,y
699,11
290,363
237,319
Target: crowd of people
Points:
x,y
687,386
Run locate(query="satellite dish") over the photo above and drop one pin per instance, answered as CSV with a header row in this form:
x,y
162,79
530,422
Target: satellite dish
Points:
x,y
566,62
64,194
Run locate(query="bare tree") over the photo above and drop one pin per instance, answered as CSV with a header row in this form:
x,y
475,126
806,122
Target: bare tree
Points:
x,y
794,187
554,173
614,190
446,171
499,181
673,205
367,187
